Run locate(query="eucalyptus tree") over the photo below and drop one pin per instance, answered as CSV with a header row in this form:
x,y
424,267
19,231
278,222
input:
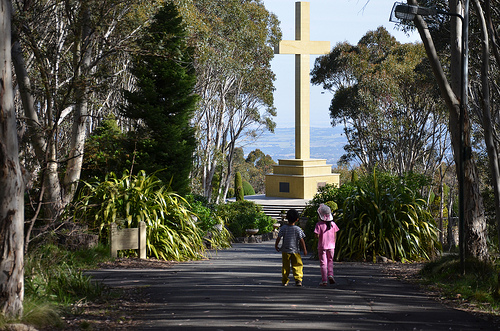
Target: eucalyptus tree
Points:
x,y
484,76
259,165
11,182
70,62
391,112
450,86
234,46
253,168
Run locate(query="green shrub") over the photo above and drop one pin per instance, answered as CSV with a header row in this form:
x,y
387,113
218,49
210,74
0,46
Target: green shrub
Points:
x,y
247,188
238,187
209,222
172,232
242,215
379,214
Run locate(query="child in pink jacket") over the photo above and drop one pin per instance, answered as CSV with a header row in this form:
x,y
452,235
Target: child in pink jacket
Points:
x,y
326,232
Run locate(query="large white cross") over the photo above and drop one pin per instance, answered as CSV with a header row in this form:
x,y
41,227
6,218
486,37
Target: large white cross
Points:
x,y
302,47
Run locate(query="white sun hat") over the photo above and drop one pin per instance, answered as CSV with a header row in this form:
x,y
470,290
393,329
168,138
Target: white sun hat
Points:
x,y
325,213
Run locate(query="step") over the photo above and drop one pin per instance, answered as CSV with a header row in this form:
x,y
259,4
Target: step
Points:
x,y
273,206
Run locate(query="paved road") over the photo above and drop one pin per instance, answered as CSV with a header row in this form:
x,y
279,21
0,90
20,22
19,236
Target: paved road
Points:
x,y
240,289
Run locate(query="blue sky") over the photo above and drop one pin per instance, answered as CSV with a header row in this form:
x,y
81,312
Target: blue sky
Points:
x,y
331,20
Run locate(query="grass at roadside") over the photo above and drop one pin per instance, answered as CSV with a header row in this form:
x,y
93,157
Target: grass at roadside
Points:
x,y
55,284
478,288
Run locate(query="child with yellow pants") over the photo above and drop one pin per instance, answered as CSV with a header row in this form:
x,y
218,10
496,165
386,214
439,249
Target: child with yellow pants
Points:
x,y
293,236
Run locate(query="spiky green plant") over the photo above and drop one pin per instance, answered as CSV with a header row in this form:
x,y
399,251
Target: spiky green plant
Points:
x,y
387,222
379,215
172,233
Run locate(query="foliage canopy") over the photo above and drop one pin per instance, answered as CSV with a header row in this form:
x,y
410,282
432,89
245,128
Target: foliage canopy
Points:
x,y
390,108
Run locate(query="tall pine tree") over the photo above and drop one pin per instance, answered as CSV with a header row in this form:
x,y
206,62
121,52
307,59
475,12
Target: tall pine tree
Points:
x,y
164,98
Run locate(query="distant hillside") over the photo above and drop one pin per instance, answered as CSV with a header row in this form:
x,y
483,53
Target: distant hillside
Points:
x,y
326,143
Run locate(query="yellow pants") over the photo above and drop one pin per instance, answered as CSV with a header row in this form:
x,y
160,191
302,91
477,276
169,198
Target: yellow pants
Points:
x,y
297,266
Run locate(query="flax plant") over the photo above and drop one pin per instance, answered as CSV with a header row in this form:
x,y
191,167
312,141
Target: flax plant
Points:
x,y
380,215
386,222
172,232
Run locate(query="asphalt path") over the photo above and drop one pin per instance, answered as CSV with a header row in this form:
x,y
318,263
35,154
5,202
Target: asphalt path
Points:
x,y
240,288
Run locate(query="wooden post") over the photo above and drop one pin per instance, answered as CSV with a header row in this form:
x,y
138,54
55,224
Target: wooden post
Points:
x,y
112,239
142,240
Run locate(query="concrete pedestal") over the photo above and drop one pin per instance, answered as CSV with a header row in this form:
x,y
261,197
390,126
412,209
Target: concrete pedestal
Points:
x,y
299,179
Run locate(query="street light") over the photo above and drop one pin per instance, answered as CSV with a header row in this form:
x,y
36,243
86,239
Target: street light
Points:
x,y
403,11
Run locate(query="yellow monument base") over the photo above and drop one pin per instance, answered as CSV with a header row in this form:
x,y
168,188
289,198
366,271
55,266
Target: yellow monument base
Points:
x,y
299,179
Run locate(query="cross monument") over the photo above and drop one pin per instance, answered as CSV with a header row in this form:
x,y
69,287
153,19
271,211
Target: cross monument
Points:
x,y
301,177
302,47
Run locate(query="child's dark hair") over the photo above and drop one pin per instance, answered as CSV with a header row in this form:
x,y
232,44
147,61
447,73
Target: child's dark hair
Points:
x,y
292,216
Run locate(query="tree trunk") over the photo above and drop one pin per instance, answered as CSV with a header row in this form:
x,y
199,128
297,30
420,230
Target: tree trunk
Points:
x,y
11,184
227,178
487,121
27,99
474,220
52,188
450,236
80,119
441,196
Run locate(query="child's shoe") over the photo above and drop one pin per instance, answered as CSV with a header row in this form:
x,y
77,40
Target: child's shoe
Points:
x,y
298,283
331,280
